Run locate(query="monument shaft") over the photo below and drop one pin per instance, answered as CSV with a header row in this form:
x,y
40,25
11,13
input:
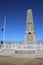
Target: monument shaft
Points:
x,y
30,36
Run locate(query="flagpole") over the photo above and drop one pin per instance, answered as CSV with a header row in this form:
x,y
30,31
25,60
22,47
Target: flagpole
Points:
x,y
4,29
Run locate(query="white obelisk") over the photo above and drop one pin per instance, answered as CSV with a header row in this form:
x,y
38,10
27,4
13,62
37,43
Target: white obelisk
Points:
x,y
30,36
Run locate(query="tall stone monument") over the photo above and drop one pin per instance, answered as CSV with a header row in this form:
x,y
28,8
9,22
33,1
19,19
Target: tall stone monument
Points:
x,y
30,36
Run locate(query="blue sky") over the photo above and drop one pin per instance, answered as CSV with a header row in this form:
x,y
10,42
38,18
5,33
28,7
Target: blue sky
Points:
x,y
15,12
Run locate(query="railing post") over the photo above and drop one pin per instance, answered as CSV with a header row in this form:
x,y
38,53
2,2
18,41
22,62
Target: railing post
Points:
x,y
12,46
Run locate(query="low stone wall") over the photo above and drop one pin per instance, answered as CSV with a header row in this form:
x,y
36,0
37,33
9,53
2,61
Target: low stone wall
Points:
x,y
25,52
